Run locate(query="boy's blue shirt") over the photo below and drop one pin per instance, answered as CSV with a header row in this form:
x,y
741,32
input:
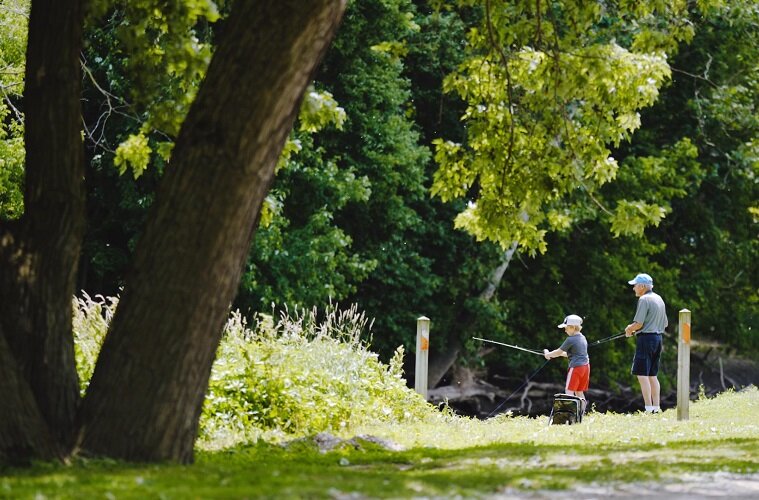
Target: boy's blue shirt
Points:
x,y
576,347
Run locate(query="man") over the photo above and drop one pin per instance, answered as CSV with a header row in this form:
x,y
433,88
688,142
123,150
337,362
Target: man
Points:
x,y
649,324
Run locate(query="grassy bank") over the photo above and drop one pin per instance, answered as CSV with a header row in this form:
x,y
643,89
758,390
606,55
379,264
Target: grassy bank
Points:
x,y
445,456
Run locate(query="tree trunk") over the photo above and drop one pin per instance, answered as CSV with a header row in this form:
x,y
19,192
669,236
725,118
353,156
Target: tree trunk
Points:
x,y
40,253
146,394
24,434
445,358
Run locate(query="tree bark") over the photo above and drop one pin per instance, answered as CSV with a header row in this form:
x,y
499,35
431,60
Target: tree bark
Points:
x,y
24,434
39,254
146,394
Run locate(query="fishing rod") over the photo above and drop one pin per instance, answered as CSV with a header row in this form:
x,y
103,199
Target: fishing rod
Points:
x,y
597,342
607,339
509,345
530,377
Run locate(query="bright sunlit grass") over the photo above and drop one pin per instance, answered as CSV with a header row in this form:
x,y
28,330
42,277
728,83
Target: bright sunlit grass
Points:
x,y
731,415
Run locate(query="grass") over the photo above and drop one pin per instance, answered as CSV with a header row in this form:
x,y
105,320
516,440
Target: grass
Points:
x,y
446,456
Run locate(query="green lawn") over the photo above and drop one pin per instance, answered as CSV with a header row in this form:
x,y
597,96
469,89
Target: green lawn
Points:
x,y
446,456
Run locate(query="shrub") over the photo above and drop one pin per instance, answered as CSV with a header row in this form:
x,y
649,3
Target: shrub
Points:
x,y
302,376
297,377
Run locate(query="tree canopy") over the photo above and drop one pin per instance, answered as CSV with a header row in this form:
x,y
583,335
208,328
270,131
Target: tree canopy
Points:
x,y
493,165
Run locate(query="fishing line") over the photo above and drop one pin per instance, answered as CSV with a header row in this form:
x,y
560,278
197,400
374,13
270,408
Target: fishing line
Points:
x,y
519,388
509,345
526,380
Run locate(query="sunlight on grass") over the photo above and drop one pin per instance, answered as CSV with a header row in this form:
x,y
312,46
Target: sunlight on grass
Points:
x,y
731,415
445,457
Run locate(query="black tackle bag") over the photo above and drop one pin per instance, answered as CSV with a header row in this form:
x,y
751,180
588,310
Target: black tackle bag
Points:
x,y
566,410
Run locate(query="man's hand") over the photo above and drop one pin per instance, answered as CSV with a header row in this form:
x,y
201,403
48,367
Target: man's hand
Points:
x,y
545,354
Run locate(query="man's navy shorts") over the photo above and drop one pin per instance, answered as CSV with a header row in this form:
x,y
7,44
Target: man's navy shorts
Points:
x,y
647,353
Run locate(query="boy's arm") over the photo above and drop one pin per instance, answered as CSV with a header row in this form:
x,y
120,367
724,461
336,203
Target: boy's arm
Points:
x,y
556,353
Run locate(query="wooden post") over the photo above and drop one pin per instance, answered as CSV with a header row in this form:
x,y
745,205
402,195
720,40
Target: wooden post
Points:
x,y
683,365
422,355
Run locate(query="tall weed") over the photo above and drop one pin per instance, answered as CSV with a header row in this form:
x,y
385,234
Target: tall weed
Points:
x,y
90,324
300,375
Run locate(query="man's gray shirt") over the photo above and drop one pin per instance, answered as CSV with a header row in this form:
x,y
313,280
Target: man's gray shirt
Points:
x,y
651,313
576,348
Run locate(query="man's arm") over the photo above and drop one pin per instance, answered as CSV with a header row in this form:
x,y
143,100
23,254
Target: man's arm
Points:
x,y
632,328
640,315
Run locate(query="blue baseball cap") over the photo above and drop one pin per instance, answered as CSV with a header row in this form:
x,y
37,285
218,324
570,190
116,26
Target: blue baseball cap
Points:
x,y
642,279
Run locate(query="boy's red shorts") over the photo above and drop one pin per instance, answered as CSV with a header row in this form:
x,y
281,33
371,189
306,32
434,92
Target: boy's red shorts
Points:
x,y
578,378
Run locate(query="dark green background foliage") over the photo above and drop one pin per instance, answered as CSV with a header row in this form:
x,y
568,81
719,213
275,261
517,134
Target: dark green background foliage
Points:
x,y
353,220
357,224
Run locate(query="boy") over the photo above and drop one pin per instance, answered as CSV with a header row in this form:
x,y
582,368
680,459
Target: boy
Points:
x,y
575,347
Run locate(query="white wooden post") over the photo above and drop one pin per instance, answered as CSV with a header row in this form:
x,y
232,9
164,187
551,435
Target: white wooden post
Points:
x,y
683,365
422,355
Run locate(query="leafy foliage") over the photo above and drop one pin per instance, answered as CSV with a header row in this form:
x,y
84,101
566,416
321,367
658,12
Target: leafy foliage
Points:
x,y
14,17
349,217
166,53
349,199
703,255
304,374
548,91
300,256
142,75
711,236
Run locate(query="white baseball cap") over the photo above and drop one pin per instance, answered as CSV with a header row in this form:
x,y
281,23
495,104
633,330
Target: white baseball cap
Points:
x,y
571,320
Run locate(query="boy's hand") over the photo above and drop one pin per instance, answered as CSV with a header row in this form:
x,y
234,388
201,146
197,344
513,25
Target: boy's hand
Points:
x,y
545,354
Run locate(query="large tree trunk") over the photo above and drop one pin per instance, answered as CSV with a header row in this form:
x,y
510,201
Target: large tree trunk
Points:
x,y
39,254
445,357
146,394
24,434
